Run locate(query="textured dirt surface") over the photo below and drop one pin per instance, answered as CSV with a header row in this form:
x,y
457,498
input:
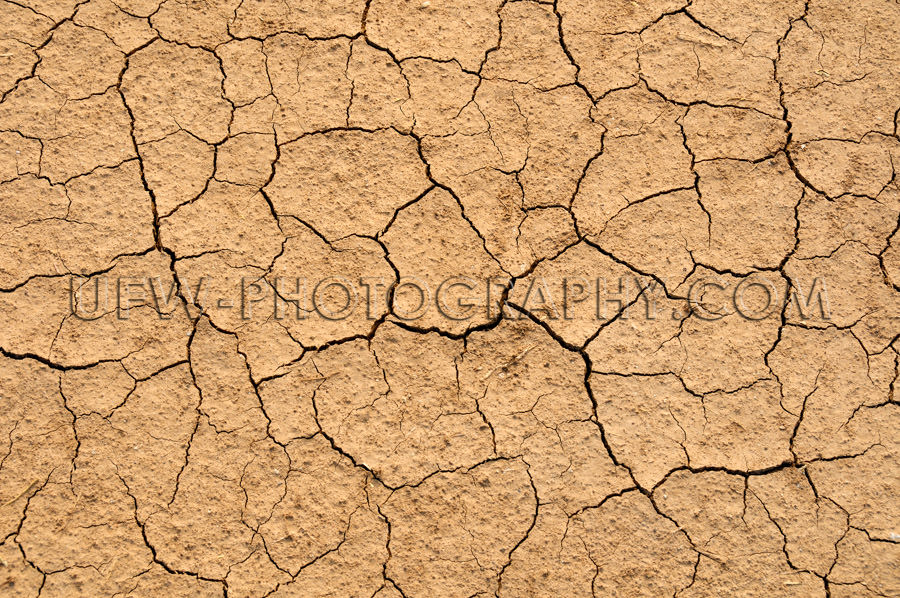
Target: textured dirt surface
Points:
x,y
216,434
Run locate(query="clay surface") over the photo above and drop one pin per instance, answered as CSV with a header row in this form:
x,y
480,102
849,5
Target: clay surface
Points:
x,y
449,298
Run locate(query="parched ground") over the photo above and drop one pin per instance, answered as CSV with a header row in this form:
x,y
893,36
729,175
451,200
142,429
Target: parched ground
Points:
x,y
190,407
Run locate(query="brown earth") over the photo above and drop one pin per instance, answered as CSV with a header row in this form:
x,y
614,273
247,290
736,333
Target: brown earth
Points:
x,y
191,156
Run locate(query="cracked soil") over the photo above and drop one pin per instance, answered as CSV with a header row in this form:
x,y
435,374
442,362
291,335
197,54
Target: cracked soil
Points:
x,y
179,444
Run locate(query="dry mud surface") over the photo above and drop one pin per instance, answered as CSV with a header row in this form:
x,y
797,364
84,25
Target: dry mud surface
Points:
x,y
178,417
